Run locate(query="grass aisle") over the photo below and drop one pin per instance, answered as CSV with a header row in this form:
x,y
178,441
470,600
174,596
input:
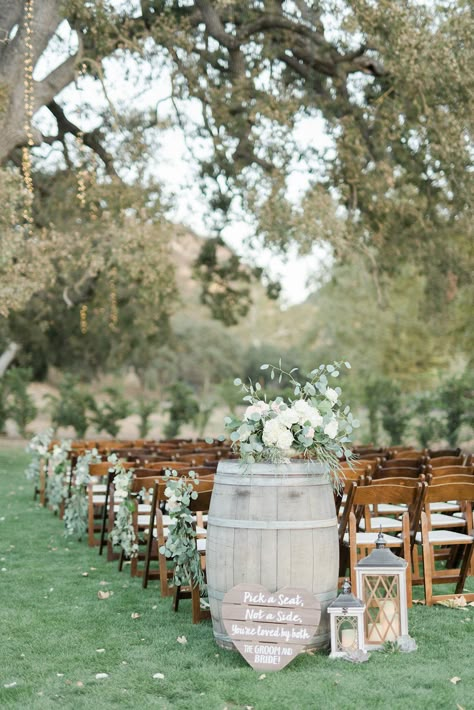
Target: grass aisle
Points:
x,y
52,625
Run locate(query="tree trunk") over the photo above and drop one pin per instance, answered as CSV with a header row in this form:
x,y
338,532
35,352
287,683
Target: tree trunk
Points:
x,y
7,357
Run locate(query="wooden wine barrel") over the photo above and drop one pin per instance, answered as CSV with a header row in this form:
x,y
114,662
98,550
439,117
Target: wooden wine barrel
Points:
x,y
273,525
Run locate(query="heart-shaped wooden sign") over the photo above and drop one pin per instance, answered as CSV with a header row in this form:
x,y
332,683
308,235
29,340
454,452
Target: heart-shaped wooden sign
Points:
x,y
270,629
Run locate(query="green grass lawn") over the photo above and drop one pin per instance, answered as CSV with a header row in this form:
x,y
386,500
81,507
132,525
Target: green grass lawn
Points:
x,y
52,625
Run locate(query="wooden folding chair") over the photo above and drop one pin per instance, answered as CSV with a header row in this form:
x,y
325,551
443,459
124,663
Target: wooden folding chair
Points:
x,y
362,497
430,538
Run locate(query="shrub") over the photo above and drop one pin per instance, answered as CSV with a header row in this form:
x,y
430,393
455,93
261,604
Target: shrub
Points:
x,y
107,415
182,409
20,405
71,407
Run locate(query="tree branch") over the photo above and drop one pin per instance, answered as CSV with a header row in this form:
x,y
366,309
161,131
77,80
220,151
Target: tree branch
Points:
x,y
90,139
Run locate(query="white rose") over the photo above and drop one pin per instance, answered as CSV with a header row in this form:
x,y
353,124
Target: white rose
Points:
x,y
331,395
288,417
257,408
307,413
271,431
331,428
285,439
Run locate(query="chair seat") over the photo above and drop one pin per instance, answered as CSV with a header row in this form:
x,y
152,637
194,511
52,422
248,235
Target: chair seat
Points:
x,y
439,520
444,507
99,488
369,538
444,537
390,508
385,523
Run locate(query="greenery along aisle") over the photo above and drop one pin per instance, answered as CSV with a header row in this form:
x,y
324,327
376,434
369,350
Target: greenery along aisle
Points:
x,y
56,636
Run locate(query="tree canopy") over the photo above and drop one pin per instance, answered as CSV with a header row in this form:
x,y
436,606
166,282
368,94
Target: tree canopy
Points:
x,y
391,84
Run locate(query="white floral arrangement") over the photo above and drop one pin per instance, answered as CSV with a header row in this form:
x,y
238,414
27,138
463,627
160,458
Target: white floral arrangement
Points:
x,y
59,466
180,546
75,515
38,448
315,425
123,532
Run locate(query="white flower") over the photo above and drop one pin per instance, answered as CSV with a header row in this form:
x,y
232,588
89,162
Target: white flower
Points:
x,y
307,413
259,407
173,503
331,395
274,434
331,428
310,432
285,439
287,417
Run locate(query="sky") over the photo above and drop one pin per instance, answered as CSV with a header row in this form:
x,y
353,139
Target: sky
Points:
x,y
174,164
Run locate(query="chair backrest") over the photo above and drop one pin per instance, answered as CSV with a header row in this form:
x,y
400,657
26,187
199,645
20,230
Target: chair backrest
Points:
x,y
450,471
450,478
415,462
399,472
450,491
393,481
432,453
439,461
402,452
361,496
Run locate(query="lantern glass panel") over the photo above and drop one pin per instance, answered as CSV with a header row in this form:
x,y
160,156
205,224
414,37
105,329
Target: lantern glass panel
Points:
x,y
346,633
381,594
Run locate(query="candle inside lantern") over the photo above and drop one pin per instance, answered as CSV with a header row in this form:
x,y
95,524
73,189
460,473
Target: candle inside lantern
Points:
x,y
389,620
348,638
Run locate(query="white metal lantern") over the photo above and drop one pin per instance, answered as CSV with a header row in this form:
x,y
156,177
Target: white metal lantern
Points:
x,y
381,583
346,615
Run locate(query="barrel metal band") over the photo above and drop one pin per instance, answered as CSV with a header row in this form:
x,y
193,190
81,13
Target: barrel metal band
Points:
x,y
258,481
272,524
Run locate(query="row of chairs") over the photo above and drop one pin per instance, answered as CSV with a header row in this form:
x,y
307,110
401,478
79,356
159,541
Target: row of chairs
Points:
x,y
422,508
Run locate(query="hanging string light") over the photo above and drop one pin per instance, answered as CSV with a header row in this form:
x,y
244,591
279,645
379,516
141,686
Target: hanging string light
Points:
x,y
113,300
83,317
28,112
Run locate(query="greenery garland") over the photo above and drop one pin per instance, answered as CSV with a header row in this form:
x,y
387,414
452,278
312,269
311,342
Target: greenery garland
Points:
x,y
123,532
180,546
59,466
38,448
75,515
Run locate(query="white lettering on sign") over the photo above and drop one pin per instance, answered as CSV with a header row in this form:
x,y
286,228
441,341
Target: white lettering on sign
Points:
x,y
270,628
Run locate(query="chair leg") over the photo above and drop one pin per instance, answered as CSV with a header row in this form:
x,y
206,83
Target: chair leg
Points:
x,y
196,604
464,568
407,556
427,561
121,560
353,552
176,597
149,542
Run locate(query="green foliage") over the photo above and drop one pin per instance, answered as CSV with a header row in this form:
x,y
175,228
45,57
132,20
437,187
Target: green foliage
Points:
x,y
426,418
392,409
107,415
183,407
145,408
456,398
71,406
20,405
372,402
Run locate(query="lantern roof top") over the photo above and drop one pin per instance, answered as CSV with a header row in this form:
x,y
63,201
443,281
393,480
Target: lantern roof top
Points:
x,y
382,556
346,599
